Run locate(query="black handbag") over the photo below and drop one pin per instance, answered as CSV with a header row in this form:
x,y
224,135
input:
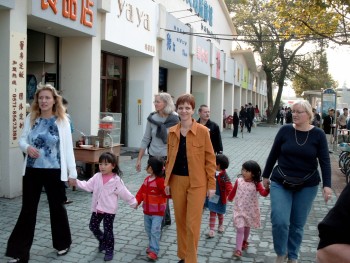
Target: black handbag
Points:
x,y
294,183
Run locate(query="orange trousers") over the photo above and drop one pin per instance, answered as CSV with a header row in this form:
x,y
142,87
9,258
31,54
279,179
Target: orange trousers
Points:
x,y
188,208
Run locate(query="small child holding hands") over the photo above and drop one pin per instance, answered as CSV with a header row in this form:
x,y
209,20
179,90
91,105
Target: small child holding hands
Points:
x,y
246,210
153,196
107,187
217,204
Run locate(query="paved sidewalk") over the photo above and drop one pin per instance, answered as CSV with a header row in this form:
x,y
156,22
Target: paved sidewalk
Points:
x,y
130,237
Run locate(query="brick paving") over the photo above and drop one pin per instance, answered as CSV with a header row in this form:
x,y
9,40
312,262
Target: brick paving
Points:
x,y
130,237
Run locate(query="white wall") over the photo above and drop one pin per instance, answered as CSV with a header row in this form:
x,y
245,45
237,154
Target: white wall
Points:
x,y
237,97
201,91
80,81
142,86
178,81
228,99
11,159
216,101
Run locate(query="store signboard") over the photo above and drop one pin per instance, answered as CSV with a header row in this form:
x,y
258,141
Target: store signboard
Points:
x,y
329,100
18,72
229,74
217,70
80,15
201,58
132,24
176,45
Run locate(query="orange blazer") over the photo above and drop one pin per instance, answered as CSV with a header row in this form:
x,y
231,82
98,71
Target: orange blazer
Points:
x,y
200,155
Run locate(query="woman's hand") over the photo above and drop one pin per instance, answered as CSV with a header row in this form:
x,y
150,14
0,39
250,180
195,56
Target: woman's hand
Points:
x,y
210,193
138,165
266,183
167,190
327,193
72,182
33,152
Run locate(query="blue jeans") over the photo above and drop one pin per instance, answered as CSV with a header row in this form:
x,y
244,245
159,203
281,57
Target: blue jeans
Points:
x,y
289,212
153,231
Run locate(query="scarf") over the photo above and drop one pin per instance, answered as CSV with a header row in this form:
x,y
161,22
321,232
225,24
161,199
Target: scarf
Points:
x,y
162,127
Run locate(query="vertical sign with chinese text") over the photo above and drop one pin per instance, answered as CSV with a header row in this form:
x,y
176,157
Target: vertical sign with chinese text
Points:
x,y
17,85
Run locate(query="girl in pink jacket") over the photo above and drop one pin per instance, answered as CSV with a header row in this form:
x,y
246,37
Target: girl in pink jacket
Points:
x,y
107,188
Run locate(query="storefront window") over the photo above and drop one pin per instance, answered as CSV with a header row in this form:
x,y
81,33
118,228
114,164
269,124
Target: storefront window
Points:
x,y
113,85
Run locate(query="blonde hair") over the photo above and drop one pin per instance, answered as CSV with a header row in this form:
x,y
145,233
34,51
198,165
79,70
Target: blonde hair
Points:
x,y
306,106
58,109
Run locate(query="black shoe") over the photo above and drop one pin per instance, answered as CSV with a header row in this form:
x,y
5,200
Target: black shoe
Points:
x,y
67,202
167,223
181,261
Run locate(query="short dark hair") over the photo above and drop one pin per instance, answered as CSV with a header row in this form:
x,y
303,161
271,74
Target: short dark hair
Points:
x,y
109,157
223,161
64,101
345,109
201,107
254,168
157,165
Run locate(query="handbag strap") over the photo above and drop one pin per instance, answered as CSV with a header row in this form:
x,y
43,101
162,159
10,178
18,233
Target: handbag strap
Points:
x,y
306,177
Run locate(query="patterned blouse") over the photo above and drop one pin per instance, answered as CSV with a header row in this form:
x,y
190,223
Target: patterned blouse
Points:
x,y
44,136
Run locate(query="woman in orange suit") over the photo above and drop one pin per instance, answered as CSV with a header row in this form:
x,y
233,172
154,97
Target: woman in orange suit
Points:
x,y
190,176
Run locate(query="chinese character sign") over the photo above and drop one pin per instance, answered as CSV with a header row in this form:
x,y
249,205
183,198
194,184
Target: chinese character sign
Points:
x,y
17,86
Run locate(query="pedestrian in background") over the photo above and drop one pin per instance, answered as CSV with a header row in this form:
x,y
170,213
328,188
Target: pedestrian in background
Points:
x,y
246,209
153,198
341,121
47,141
289,116
316,120
235,123
297,149
217,204
214,130
156,134
107,188
242,117
190,176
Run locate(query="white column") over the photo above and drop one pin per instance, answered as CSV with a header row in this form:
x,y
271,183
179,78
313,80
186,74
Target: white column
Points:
x,y
11,158
80,81
216,101
142,86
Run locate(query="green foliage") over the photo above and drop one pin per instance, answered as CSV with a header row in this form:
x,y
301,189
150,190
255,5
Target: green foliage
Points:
x,y
312,74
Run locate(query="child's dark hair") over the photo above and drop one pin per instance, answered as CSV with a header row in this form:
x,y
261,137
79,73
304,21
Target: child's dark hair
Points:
x,y
254,168
223,161
157,165
109,157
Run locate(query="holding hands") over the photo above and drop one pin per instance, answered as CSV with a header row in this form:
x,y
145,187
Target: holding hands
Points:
x,y
72,182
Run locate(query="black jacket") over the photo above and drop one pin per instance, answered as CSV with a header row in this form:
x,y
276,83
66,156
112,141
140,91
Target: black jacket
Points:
x,y
215,135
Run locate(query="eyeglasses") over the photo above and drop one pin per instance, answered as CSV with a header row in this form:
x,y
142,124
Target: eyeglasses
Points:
x,y
298,112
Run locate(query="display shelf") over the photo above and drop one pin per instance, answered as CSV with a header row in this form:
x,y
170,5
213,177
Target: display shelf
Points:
x,y
110,125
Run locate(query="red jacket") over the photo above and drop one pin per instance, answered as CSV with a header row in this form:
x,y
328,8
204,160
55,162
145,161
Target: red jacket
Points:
x,y
225,185
153,196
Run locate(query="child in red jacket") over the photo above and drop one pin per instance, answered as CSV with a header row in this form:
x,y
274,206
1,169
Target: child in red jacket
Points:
x,y
217,204
153,196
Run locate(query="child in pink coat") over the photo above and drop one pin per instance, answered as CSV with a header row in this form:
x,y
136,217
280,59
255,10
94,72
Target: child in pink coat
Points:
x,y
107,187
246,210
